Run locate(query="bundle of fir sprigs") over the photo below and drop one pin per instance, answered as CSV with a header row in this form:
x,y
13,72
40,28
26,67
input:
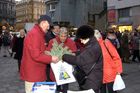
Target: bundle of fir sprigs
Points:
x,y
59,50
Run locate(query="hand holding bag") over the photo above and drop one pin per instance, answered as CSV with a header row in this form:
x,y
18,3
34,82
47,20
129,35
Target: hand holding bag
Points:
x,y
118,83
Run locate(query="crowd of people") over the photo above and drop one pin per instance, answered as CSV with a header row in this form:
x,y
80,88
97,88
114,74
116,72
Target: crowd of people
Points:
x,y
107,50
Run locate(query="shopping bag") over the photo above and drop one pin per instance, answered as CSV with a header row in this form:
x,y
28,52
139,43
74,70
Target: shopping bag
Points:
x,y
44,87
63,72
84,91
118,83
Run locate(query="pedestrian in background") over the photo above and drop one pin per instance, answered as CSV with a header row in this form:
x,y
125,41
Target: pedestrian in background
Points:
x,y
34,60
6,40
54,31
18,47
125,47
113,39
136,45
90,55
112,64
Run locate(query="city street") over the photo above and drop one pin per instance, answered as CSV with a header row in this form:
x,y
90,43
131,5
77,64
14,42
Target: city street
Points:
x,y
10,82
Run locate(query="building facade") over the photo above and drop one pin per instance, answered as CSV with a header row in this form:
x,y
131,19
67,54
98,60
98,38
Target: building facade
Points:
x,y
7,12
77,12
124,14
28,11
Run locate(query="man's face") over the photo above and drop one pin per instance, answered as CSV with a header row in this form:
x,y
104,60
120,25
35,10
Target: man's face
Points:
x,y
63,37
56,30
45,26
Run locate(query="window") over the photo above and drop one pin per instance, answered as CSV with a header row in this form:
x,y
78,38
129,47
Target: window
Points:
x,y
124,13
52,7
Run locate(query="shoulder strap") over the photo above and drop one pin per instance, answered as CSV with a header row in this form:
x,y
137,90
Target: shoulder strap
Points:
x,y
107,50
93,66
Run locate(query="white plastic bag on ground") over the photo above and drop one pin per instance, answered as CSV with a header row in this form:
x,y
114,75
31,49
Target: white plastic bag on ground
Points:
x,y
84,91
118,83
63,73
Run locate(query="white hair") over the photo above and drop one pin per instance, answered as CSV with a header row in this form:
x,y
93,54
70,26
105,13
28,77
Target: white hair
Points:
x,y
63,30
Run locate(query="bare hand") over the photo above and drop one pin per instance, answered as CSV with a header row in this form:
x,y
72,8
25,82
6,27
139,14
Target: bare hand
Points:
x,y
55,59
47,52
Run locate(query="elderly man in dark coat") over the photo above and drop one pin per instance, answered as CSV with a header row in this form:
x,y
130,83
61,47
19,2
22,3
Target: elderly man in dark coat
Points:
x,y
90,55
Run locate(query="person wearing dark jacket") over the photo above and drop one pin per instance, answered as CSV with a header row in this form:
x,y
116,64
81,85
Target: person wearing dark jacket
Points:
x,y
18,47
54,31
90,55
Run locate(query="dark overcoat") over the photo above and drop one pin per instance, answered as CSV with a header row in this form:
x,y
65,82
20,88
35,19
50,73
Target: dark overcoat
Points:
x,y
91,54
18,46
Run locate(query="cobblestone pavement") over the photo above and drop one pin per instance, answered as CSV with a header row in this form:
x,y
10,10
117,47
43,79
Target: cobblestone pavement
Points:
x,y
10,82
9,76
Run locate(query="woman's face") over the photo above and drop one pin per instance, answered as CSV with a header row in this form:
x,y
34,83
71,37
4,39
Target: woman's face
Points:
x,y
84,41
63,37
22,33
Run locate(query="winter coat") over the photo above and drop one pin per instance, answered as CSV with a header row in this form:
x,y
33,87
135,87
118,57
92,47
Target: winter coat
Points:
x,y
18,46
6,39
136,42
91,53
34,60
111,63
49,35
69,43
125,46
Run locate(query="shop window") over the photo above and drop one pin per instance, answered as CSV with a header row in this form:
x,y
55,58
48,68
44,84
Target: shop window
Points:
x,y
124,28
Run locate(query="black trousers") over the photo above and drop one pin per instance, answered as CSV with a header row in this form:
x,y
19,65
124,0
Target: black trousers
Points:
x,y
136,54
62,88
108,87
19,63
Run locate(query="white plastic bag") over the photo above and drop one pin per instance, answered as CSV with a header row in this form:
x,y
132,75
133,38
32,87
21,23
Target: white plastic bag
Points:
x,y
118,83
63,73
84,91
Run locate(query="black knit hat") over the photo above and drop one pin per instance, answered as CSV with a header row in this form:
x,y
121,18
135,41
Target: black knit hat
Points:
x,y
84,32
44,18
